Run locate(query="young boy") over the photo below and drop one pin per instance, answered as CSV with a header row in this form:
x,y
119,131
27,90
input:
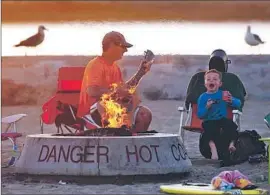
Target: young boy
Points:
x,y
212,109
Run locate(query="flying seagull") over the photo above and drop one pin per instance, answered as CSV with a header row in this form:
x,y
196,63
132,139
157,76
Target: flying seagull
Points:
x,y
34,40
252,39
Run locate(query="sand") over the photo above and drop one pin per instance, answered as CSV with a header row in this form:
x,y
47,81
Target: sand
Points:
x,y
165,119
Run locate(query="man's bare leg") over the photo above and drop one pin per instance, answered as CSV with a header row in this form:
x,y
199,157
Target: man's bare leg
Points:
x,y
213,148
143,119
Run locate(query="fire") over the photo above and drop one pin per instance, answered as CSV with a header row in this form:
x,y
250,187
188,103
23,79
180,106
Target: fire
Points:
x,y
132,90
115,114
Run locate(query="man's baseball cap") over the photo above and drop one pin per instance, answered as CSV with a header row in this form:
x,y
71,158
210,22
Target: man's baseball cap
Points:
x,y
116,38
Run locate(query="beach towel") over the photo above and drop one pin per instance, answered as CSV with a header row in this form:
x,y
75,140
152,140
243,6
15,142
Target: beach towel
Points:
x,y
227,180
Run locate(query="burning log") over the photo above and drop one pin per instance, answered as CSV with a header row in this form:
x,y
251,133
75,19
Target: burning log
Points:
x,y
122,131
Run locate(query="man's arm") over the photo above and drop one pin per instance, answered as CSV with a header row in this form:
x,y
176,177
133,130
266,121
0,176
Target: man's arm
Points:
x,y
97,91
134,80
234,85
244,89
143,69
244,94
93,78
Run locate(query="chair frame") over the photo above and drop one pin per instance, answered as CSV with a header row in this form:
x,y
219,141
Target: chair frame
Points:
x,y
267,120
12,122
67,76
11,133
236,118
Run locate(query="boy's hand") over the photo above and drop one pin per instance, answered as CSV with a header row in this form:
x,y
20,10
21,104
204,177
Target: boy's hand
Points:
x,y
209,103
228,97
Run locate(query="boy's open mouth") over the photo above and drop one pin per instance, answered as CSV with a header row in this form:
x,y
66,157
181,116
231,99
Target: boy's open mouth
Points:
x,y
211,85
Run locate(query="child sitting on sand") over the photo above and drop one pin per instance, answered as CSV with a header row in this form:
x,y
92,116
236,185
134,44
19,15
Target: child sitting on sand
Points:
x,y
212,109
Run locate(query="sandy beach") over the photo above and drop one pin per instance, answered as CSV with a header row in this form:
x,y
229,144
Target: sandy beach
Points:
x,y
29,81
165,119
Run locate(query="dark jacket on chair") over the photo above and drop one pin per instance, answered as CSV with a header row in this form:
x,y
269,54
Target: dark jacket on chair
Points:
x,y
230,82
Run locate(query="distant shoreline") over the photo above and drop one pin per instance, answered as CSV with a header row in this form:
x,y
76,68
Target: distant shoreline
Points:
x,y
83,11
168,77
184,55
28,61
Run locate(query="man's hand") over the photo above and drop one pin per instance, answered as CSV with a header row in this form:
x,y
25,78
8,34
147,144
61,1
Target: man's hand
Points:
x,y
209,103
146,66
122,90
123,96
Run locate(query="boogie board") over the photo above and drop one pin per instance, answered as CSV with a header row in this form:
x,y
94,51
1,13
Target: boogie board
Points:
x,y
201,188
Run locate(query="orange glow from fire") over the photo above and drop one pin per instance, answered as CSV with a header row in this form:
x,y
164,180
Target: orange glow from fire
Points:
x,y
115,114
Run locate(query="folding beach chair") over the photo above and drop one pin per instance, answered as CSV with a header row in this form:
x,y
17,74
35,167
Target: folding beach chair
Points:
x,y
10,150
194,124
68,94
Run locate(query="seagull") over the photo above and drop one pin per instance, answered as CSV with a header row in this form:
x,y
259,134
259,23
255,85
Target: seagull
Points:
x,y
252,39
34,40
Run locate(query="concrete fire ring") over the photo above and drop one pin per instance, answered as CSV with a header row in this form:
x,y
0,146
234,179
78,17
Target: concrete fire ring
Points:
x,y
47,154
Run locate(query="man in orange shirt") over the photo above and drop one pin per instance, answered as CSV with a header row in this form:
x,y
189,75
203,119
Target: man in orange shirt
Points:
x,y
99,74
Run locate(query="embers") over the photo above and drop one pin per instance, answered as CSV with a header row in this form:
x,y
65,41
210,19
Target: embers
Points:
x,y
108,131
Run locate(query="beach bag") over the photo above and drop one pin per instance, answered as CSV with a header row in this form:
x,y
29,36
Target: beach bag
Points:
x,y
247,144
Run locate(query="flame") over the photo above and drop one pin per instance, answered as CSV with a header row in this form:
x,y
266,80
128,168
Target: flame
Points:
x,y
132,90
115,114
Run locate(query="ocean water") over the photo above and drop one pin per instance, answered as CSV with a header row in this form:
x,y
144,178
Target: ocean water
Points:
x,y
161,37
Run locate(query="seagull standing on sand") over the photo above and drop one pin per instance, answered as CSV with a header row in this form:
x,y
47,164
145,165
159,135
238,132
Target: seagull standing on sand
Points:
x,y
252,39
34,40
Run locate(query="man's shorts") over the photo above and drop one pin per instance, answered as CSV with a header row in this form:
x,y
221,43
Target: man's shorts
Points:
x,y
93,119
